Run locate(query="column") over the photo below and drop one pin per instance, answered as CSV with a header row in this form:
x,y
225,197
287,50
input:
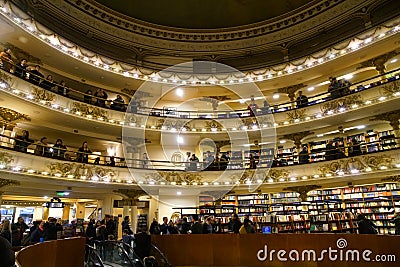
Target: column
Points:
x,y
66,210
134,218
45,213
80,210
107,206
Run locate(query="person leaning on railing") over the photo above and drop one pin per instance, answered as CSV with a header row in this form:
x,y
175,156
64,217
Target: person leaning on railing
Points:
x,y
35,76
6,62
22,141
20,69
83,153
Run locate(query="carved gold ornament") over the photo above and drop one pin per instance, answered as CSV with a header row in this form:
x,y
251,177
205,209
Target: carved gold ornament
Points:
x,y
174,177
8,115
344,102
89,110
81,170
5,158
297,114
355,164
391,88
6,182
42,95
277,174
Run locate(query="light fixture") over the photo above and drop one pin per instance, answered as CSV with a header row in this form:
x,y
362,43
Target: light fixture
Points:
x,y
304,177
310,88
179,193
275,96
341,173
179,92
179,139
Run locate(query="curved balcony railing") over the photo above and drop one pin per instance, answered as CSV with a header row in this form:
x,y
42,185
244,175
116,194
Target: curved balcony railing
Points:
x,y
266,157
358,102
136,108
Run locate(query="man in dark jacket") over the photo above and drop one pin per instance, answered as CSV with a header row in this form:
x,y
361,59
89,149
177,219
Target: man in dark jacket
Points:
x,y
50,230
366,226
197,227
235,224
7,255
18,230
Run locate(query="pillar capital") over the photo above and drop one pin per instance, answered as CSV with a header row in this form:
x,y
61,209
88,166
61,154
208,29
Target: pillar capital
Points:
x,y
297,137
130,195
9,117
302,190
291,90
392,117
379,62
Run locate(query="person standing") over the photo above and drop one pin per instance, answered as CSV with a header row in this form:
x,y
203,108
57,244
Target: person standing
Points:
x,y
83,153
396,222
301,100
164,226
235,224
6,230
197,227
7,255
20,69
22,141
155,227
304,157
252,107
247,227
5,59
18,230
59,149
366,226
35,76
126,225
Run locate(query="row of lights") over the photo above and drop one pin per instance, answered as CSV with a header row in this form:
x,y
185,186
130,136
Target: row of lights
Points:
x,y
253,127
377,34
247,181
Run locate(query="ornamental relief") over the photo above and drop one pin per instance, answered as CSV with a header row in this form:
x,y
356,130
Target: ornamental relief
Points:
x,y
356,164
42,94
174,177
6,158
144,34
89,110
81,170
391,88
337,104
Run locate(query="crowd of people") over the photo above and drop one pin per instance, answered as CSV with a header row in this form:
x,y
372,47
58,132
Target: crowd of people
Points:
x,y
195,226
58,150
34,75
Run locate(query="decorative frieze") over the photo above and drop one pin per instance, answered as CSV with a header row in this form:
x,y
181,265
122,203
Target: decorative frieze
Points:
x,y
89,110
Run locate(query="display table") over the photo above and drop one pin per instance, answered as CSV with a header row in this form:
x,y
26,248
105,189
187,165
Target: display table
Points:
x,y
61,253
317,250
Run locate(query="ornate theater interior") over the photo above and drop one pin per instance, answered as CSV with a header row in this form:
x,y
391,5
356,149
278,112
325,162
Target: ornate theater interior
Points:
x,y
282,112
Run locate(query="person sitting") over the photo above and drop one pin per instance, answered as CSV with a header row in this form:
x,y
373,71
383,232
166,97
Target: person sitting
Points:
x,y
35,76
304,157
301,100
344,87
42,148
83,153
6,60
22,141
59,149
48,83
20,69
87,97
118,103
101,97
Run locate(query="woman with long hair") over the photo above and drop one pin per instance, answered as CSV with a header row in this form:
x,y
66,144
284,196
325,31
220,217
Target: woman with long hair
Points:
x,y
6,230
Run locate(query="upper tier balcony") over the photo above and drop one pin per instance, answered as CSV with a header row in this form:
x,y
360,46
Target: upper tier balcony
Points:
x,y
378,93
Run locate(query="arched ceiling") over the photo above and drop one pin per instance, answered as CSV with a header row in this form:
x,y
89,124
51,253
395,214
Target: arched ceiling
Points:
x,y
204,14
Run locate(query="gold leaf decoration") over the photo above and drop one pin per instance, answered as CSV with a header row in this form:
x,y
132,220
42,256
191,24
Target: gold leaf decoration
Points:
x,y
6,158
42,95
85,110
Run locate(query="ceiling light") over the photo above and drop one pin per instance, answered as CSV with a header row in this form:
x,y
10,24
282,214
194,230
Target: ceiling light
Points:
x,y
179,193
304,177
179,139
275,96
320,135
293,179
341,173
393,60
270,180
310,88
368,169
368,40
354,171
281,179
368,102
282,141
316,176
383,167
30,171
179,92
382,98
205,183
348,76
